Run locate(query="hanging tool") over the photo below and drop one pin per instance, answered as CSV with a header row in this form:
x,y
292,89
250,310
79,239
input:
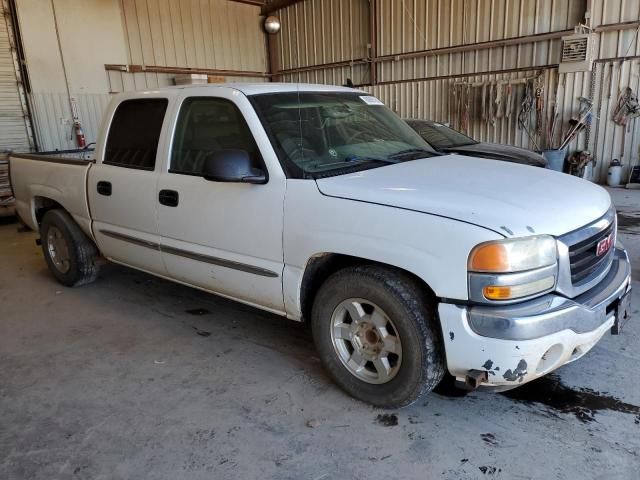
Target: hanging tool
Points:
x,y
484,102
498,101
627,107
525,110
551,126
466,101
577,123
508,109
539,94
491,105
525,106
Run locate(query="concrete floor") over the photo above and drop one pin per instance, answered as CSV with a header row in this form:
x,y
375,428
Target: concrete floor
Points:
x,y
136,377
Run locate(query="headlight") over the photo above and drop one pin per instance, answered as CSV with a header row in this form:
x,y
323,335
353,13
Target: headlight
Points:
x,y
513,255
512,269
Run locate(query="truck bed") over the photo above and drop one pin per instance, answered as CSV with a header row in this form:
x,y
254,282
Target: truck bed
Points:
x,y
48,178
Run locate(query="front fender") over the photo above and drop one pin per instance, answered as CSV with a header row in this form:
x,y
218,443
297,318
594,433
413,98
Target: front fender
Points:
x,y
433,248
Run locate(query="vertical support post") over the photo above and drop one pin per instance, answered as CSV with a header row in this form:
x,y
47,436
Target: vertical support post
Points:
x,y
272,55
373,39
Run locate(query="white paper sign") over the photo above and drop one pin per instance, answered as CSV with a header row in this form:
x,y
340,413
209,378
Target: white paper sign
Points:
x,y
370,100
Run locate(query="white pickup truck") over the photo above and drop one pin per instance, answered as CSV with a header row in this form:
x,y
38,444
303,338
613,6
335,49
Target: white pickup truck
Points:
x,y
318,203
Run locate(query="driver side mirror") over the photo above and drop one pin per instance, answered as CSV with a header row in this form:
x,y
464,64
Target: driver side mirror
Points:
x,y
232,165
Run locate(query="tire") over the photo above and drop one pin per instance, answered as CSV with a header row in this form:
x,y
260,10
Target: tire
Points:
x,y
385,295
70,255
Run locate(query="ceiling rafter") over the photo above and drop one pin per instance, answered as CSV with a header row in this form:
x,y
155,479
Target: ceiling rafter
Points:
x,y
272,5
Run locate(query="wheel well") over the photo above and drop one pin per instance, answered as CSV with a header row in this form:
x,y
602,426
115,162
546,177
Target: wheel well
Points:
x,y
322,266
42,205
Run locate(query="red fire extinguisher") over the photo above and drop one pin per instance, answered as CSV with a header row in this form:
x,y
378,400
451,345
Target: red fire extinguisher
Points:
x,y
80,140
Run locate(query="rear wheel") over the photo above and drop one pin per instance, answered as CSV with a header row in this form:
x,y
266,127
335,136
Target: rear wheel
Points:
x,y
377,335
70,255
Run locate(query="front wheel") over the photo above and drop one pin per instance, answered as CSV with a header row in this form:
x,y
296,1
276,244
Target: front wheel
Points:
x,y
377,335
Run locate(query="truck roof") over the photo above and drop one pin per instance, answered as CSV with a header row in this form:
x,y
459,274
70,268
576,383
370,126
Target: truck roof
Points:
x,y
255,88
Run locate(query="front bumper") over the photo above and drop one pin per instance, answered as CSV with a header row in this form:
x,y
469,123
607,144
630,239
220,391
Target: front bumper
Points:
x,y
517,343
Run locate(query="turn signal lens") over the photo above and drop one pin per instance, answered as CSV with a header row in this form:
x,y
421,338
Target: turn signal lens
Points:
x,y
513,255
503,292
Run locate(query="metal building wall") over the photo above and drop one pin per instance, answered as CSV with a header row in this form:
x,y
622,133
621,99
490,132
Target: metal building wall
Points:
x,y
205,34
413,86
325,31
612,74
412,25
420,85
201,34
14,121
432,100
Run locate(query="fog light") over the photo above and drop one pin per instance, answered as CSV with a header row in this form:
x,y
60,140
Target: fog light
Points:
x,y
509,292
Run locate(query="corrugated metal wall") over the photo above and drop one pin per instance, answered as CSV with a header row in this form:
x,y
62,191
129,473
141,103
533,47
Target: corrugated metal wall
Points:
x,y
415,87
216,34
432,100
210,34
306,39
14,127
325,31
609,140
412,25
53,120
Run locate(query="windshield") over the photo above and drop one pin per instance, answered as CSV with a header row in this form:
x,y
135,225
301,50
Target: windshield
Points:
x,y
320,134
439,135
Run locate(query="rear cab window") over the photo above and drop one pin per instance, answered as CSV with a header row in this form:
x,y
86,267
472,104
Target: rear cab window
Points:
x,y
135,132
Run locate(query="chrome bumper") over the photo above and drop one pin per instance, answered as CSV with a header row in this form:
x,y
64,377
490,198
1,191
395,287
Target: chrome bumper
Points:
x,y
553,313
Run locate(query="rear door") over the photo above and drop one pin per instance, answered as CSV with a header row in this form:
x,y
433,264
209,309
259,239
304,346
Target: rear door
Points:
x,y
122,188
223,237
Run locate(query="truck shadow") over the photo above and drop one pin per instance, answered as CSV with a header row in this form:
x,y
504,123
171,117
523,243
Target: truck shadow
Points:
x,y
205,314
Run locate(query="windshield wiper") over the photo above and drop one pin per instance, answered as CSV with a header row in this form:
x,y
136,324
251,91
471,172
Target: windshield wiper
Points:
x,y
413,153
348,166
361,160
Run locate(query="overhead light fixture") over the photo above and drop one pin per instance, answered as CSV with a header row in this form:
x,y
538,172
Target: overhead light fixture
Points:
x,y
272,24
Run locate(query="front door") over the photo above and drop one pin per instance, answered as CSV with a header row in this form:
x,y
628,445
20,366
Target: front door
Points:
x,y
122,187
223,237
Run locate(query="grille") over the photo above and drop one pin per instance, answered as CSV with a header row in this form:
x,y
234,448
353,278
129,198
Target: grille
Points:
x,y
583,259
575,49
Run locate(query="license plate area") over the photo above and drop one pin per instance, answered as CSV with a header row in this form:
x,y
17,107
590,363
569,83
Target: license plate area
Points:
x,y
623,312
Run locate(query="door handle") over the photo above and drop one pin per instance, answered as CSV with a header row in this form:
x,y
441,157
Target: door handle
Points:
x,y
168,198
104,188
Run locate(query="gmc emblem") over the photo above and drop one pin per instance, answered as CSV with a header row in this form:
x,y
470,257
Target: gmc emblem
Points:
x,y
604,245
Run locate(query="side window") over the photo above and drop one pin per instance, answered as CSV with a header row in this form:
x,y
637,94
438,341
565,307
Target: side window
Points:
x,y
135,132
207,125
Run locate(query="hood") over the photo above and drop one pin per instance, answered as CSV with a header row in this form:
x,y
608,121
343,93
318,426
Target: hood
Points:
x,y
501,152
511,199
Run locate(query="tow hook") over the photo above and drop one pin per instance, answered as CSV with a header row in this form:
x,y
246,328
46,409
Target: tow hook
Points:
x,y
474,378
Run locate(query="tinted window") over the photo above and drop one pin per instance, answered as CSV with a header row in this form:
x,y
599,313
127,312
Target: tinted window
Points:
x,y
135,132
439,135
205,126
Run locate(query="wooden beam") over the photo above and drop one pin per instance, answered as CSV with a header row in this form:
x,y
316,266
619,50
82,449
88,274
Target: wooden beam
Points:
x,y
271,6
617,26
257,3
178,70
